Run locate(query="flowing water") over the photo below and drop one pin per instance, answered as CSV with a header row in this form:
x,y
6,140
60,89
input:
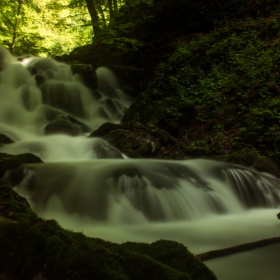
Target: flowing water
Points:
x,y
89,186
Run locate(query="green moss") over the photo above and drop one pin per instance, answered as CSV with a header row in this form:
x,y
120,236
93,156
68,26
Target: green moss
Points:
x,y
9,162
32,247
224,84
28,249
164,252
14,206
245,156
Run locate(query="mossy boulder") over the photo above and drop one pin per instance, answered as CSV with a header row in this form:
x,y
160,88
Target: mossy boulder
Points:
x,y
265,164
140,141
245,157
249,157
164,252
13,206
11,162
33,248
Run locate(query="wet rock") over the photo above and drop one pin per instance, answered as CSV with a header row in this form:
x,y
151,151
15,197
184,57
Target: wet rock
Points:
x,y
265,164
13,206
65,125
139,141
12,162
244,156
64,96
5,139
87,73
249,157
103,150
133,144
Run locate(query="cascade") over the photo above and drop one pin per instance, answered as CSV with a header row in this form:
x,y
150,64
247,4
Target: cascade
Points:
x,y
86,184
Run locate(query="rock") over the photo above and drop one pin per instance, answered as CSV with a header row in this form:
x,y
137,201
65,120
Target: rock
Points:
x,y
13,206
68,255
249,157
265,164
278,215
245,157
140,141
12,162
133,144
105,128
5,139
64,96
103,150
66,125
87,73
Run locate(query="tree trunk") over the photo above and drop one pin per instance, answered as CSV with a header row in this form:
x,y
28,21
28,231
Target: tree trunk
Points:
x,y
94,17
129,3
15,30
100,10
111,10
115,3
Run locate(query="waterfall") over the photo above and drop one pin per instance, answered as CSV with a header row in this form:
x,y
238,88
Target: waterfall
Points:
x,y
148,191
88,185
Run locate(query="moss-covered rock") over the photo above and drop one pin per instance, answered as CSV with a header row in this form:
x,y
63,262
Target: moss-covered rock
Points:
x,y
140,141
13,206
11,162
265,164
249,157
245,157
32,248
164,252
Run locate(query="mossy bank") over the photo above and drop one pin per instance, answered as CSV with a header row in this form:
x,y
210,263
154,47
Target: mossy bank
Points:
x,y
33,248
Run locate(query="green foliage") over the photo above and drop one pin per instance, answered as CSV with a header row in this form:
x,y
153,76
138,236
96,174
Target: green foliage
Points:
x,y
42,27
225,83
13,206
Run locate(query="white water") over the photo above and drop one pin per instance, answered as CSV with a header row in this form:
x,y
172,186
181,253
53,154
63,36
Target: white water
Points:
x,y
204,204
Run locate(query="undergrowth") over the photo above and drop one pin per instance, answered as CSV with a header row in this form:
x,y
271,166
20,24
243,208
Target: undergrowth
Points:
x,y
222,87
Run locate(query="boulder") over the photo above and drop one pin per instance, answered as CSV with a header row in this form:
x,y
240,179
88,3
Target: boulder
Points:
x,y
244,156
265,164
140,141
10,163
87,73
249,157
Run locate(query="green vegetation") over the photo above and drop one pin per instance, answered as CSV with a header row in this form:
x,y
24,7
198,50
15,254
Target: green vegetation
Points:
x,y
220,88
32,248
42,27
54,28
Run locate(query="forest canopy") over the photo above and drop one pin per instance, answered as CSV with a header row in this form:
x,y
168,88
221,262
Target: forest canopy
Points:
x,y
49,28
